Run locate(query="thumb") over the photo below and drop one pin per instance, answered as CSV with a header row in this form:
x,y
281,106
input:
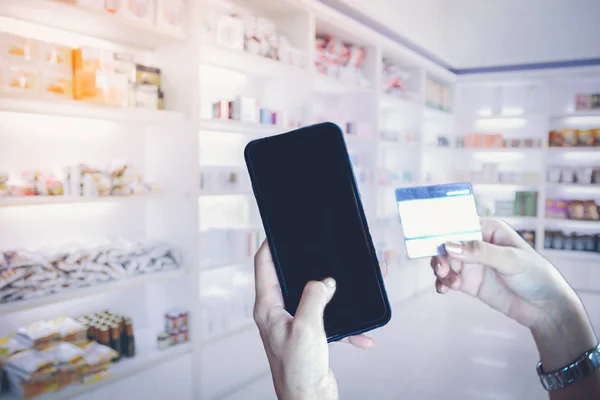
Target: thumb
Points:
x,y
315,297
504,259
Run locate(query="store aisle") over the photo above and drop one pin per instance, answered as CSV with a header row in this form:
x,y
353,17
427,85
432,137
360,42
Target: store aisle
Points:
x,y
438,347
448,347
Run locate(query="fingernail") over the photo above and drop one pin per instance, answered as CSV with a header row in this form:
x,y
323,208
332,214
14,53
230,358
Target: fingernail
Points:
x,y
330,282
453,247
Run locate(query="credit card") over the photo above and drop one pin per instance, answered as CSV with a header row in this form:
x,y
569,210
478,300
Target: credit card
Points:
x,y
433,215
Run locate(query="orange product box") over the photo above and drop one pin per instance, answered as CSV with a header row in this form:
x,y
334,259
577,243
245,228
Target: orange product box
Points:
x,y
95,79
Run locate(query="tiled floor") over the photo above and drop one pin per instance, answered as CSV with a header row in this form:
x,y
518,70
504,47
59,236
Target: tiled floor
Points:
x,y
438,347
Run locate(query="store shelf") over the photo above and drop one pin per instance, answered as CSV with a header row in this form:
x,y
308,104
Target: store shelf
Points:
x,y
147,357
234,331
505,186
518,220
49,200
102,288
250,64
329,85
521,150
577,114
574,255
214,194
79,109
434,113
563,150
97,24
573,224
575,187
395,102
226,264
244,128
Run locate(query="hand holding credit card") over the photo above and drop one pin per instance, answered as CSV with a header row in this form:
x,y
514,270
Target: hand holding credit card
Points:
x,y
433,215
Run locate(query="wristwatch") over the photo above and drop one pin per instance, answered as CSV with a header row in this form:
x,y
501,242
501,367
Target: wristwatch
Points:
x,y
577,371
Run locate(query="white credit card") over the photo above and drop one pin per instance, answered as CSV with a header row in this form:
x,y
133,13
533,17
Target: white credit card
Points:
x,y
433,215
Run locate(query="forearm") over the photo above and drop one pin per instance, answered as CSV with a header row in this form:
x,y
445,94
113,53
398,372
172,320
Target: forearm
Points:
x,y
560,341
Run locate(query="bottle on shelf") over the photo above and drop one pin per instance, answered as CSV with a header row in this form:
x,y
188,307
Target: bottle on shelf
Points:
x,y
129,348
115,340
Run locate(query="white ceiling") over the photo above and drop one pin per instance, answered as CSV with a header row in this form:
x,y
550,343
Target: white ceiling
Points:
x,y
478,33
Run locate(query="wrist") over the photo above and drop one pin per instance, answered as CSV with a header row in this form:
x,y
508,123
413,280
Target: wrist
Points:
x,y
563,335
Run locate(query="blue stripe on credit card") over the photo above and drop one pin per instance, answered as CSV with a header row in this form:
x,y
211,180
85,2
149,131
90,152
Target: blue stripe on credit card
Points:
x,y
443,235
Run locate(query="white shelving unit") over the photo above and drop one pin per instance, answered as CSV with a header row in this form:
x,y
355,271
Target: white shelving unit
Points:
x,y
531,109
173,148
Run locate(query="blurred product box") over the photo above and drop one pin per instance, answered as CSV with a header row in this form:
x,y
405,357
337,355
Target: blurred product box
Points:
x,y
170,15
574,138
229,32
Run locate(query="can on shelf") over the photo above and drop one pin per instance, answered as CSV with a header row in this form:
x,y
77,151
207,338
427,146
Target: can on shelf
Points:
x,y
183,320
174,338
172,321
183,336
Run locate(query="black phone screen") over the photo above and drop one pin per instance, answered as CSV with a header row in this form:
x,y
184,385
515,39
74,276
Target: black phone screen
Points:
x,y
316,227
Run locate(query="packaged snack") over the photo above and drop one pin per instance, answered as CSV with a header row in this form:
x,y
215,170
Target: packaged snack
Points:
x,y
9,346
585,138
569,137
596,134
57,84
20,50
56,57
170,15
576,210
582,102
138,10
22,79
38,334
590,210
31,374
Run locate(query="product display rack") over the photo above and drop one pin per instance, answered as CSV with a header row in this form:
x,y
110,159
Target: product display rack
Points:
x,y
535,107
173,148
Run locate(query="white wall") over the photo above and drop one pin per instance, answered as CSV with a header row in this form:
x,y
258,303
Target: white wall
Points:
x,y
475,33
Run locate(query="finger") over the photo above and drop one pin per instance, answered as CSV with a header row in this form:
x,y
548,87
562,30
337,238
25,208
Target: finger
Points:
x,y
440,287
434,261
361,341
314,298
500,233
504,259
447,274
384,268
268,292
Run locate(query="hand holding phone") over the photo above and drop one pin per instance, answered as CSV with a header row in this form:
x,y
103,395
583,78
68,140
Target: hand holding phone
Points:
x,y
316,227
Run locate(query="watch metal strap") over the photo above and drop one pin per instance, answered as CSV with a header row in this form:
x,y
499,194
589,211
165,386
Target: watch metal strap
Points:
x,y
580,369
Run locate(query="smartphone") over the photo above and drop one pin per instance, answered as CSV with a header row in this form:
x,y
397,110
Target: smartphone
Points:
x,y
433,215
316,227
